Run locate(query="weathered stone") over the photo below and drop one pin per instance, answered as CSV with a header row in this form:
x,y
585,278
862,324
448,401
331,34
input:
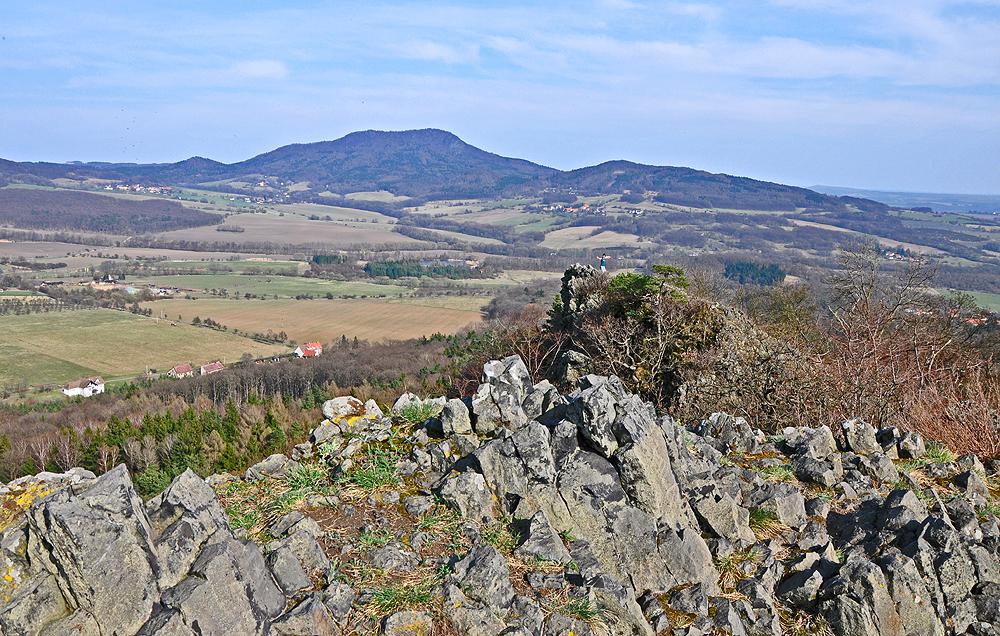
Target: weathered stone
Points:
x,y
800,589
543,541
455,418
344,406
273,467
859,437
497,402
911,446
484,576
724,518
730,434
814,443
405,401
467,493
973,487
825,472
100,544
571,366
310,617
327,431
408,623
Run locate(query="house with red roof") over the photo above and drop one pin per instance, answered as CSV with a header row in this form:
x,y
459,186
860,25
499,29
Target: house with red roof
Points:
x,y
309,350
212,367
181,371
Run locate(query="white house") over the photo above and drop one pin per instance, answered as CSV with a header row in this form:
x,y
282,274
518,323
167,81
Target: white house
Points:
x,y
309,350
86,387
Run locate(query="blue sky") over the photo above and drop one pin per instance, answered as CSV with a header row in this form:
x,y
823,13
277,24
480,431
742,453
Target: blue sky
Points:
x,y
892,94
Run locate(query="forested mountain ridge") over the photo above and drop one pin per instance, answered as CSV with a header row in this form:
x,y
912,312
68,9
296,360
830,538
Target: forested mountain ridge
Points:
x,y
436,164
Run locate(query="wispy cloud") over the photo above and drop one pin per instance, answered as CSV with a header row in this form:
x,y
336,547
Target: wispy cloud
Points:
x,y
260,69
567,80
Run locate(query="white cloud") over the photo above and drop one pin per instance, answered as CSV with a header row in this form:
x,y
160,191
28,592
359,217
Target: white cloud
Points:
x,y
430,51
261,69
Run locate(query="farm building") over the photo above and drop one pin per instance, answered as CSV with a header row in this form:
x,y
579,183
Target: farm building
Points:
x,y
181,371
85,387
309,350
212,367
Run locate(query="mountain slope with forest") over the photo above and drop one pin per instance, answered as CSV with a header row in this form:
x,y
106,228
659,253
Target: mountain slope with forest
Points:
x,y
435,164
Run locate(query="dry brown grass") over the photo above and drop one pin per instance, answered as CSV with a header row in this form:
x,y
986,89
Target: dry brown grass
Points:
x,y
325,320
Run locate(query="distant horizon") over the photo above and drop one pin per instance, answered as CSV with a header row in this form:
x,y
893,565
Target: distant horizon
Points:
x,y
292,143
898,95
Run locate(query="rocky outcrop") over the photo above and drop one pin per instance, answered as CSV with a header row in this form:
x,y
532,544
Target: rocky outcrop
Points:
x,y
93,558
525,511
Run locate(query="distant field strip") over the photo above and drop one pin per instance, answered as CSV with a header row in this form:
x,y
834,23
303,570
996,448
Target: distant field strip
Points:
x,y
884,242
295,229
277,285
582,238
324,320
56,347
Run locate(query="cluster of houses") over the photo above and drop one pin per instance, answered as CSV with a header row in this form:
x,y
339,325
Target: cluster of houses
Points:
x,y
122,187
188,370
574,208
89,387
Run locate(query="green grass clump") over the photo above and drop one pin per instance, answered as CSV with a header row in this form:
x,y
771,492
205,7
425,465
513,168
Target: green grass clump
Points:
x,y
779,473
502,536
938,454
395,598
991,508
372,470
582,609
371,539
307,478
418,412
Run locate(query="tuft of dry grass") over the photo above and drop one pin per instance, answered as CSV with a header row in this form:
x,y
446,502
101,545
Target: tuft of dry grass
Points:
x,y
765,524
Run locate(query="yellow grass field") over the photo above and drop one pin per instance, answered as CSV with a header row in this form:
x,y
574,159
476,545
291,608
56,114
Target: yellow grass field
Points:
x,y
580,238
884,242
324,320
56,347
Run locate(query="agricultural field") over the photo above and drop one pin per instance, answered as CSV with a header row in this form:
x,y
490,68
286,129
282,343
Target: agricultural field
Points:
x,y
57,347
274,285
284,268
325,320
294,229
380,195
584,238
59,251
509,278
334,212
987,300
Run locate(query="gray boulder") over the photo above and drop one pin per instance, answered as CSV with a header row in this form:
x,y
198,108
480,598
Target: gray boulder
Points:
x,y
455,418
273,467
724,518
483,576
408,623
497,402
543,542
859,437
344,406
911,446
467,493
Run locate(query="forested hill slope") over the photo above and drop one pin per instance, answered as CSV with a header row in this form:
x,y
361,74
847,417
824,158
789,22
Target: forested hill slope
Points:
x,y
435,164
